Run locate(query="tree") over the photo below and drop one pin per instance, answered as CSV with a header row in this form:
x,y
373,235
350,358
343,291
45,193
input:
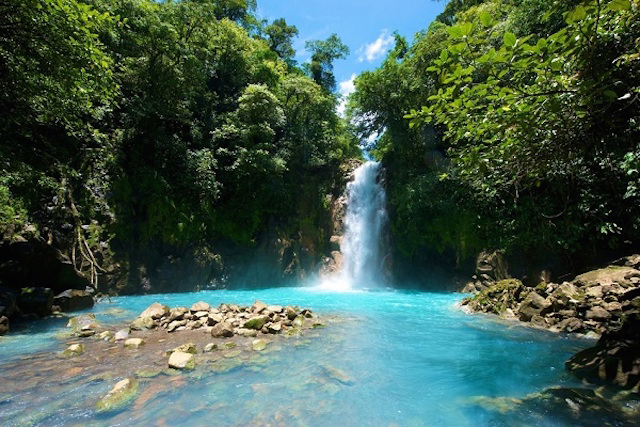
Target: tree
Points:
x,y
323,53
279,36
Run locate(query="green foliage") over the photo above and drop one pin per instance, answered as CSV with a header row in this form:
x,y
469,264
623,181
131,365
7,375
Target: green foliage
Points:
x,y
529,106
162,125
323,53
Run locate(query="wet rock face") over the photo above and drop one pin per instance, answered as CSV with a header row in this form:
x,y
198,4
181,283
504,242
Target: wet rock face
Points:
x,y
615,359
491,267
36,301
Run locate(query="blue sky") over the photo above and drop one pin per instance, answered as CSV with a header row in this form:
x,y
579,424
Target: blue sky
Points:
x,y
366,26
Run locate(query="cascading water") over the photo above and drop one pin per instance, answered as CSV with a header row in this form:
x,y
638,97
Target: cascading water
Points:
x,y
366,217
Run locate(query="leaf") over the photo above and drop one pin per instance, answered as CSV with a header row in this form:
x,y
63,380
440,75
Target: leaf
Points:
x,y
486,19
577,14
455,32
510,39
444,55
619,5
466,28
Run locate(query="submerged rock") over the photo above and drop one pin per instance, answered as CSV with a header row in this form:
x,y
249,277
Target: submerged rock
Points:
x,y
186,348
73,350
134,343
121,335
181,360
81,324
123,393
258,345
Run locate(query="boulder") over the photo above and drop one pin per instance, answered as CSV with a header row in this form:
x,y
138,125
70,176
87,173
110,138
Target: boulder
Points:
x,y
134,343
73,350
36,301
290,312
222,329
200,306
256,322
533,305
565,292
123,393
214,318
181,360
73,300
142,323
155,311
177,313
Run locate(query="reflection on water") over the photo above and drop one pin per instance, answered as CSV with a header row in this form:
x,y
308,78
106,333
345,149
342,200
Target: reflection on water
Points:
x,y
391,358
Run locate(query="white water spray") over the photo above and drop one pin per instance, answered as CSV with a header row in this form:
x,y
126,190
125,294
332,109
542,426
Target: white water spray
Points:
x,y
362,244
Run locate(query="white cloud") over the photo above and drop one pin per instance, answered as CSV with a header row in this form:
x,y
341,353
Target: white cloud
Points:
x,y
372,51
346,88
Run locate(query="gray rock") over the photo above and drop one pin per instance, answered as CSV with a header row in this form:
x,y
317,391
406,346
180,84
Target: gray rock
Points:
x,y
176,324
177,313
256,323
275,308
142,323
181,360
597,313
200,306
275,328
134,343
565,292
73,350
155,311
210,347
214,318
258,307
222,329
533,305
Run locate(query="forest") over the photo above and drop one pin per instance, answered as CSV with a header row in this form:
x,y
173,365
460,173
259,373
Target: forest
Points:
x,y
511,124
142,134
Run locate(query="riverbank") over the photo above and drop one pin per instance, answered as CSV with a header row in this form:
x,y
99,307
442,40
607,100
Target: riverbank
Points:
x,y
603,304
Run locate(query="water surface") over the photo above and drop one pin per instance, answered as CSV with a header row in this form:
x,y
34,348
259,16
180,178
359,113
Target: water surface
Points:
x,y
410,359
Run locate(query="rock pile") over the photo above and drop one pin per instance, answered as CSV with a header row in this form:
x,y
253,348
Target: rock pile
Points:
x,y
604,302
596,301
225,320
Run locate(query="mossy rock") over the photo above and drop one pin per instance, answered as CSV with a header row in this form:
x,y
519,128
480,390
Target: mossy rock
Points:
x,y
123,393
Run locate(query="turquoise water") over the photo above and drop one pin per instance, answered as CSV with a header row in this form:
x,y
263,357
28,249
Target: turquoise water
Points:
x,y
412,359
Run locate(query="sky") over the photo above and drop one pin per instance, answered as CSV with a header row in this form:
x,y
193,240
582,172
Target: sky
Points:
x,y
366,26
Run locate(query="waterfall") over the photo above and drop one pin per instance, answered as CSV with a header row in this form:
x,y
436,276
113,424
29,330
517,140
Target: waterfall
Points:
x,y
365,221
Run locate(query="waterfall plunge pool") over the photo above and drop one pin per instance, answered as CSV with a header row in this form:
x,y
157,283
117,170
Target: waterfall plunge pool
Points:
x,y
411,358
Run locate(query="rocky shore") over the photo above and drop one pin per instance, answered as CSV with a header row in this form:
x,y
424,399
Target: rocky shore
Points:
x,y
164,341
603,304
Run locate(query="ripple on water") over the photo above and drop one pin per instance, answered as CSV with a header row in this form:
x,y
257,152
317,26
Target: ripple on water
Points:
x,y
391,358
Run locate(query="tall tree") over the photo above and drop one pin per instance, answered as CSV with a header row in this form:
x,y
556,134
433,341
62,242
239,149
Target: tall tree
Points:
x,y
280,36
323,54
